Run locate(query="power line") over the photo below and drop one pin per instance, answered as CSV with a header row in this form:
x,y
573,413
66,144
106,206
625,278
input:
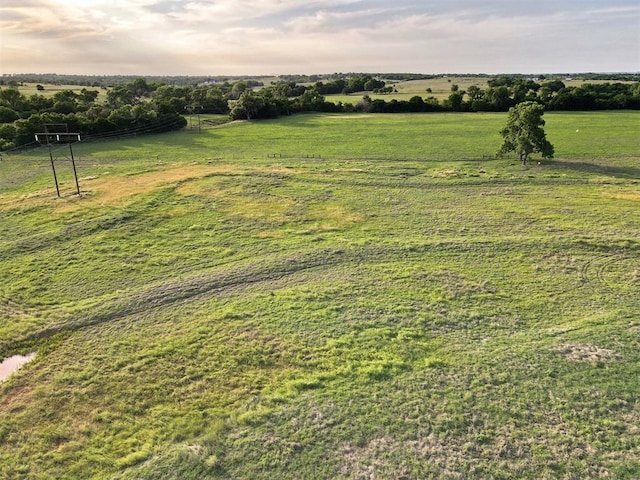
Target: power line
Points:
x,y
115,134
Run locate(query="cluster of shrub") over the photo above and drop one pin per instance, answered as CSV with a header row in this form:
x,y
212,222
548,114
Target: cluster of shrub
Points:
x,y
139,106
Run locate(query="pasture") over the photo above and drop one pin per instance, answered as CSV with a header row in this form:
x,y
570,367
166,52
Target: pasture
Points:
x,y
440,88
28,89
325,296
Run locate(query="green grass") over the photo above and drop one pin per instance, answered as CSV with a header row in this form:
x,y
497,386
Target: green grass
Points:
x,y
28,89
440,88
325,296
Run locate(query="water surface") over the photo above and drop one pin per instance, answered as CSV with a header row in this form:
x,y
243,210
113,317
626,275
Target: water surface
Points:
x,y
11,364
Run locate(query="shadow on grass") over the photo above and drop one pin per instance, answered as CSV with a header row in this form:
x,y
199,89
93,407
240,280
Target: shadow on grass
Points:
x,y
597,169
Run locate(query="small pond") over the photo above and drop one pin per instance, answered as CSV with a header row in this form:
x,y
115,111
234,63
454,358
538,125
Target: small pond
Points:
x,y
11,364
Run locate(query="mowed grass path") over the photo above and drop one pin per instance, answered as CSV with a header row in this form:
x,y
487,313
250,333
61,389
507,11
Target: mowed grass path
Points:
x,y
326,296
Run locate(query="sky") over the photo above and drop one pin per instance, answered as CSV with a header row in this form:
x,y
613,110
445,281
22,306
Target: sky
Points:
x,y
264,37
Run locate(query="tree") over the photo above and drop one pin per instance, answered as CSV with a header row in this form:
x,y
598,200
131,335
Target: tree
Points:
x,y
7,136
8,115
454,102
475,93
39,103
311,100
524,133
238,89
119,96
140,88
12,98
498,98
247,106
364,105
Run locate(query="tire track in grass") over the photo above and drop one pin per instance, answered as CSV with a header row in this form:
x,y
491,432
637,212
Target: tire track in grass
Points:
x,y
611,271
260,271
173,291
271,269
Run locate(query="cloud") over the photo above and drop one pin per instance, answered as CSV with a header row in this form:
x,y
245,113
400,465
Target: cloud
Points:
x,y
336,21
258,36
245,11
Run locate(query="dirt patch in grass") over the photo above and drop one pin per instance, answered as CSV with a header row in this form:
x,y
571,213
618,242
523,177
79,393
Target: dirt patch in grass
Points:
x,y
347,117
18,395
204,187
335,216
624,196
270,234
118,190
586,353
112,190
446,174
380,458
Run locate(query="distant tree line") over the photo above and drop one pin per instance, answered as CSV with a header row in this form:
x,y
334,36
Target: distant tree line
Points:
x,y
127,110
503,93
134,108
109,81
500,95
141,106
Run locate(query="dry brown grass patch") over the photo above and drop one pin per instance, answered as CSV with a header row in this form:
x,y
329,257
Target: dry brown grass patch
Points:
x,y
634,196
332,217
446,174
586,353
21,395
115,190
111,190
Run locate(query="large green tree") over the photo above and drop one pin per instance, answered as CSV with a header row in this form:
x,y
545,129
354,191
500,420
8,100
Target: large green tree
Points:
x,y
12,98
524,133
248,105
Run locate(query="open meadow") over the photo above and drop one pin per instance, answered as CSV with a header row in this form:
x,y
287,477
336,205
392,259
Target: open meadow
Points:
x,y
439,87
325,296
49,90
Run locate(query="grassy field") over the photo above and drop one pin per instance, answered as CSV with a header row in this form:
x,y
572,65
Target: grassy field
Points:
x,y
50,90
440,88
325,296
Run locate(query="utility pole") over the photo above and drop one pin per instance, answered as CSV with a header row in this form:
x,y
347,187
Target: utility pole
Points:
x,y
73,162
50,134
191,109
